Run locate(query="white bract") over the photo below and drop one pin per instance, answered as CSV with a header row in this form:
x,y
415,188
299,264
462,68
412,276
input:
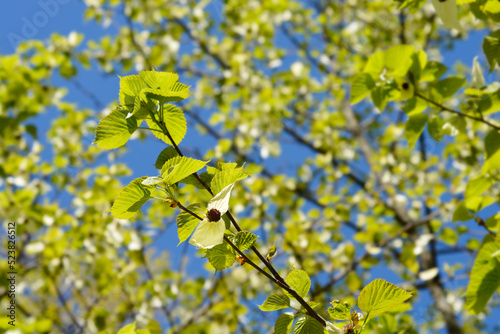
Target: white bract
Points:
x,y
332,329
477,75
210,232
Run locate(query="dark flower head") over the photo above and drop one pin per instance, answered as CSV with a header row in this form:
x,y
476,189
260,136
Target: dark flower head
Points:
x,y
213,215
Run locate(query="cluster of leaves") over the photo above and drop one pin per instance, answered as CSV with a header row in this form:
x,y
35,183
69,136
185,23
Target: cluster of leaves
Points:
x,y
403,74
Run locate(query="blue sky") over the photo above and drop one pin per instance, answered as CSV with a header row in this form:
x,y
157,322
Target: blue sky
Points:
x,y
40,19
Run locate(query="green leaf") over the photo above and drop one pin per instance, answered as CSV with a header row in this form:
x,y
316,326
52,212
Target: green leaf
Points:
x,y
226,165
447,12
380,97
276,301
131,199
433,70
353,282
414,127
299,281
414,106
283,323
174,121
207,179
491,48
221,256
164,85
461,214
114,130
308,325
311,304
340,310
455,125
380,296
419,61
485,276
224,178
435,128
244,240
361,87
178,168
129,329
186,223
154,327
130,89
477,77
449,86
475,204
164,96
476,187
492,148
398,59
490,102
375,64
449,236
165,155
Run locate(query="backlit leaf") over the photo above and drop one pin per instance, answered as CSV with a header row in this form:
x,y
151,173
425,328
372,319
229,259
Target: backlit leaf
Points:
x,y
131,199
175,123
485,276
178,168
380,296
221,256
114,130
283,323
186,222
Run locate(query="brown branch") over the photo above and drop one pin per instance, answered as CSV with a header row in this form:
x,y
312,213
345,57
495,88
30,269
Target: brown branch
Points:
x,y
444,108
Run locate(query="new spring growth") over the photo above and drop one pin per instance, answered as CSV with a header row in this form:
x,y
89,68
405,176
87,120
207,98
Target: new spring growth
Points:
x,y
271,252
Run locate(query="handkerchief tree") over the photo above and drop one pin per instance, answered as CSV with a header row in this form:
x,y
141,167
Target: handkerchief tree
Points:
x,y
147,97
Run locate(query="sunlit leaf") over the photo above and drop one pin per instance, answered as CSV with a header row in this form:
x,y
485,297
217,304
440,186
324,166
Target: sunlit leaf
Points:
x,y
221,256
308,325
380,296
491,48
485,276
175,122
361,87
131,199
186,222
114,130
244,240
178,168
224,178
283,323
276,301
299,281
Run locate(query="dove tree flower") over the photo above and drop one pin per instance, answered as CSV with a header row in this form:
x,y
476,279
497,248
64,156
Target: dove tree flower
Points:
x,y
210,232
